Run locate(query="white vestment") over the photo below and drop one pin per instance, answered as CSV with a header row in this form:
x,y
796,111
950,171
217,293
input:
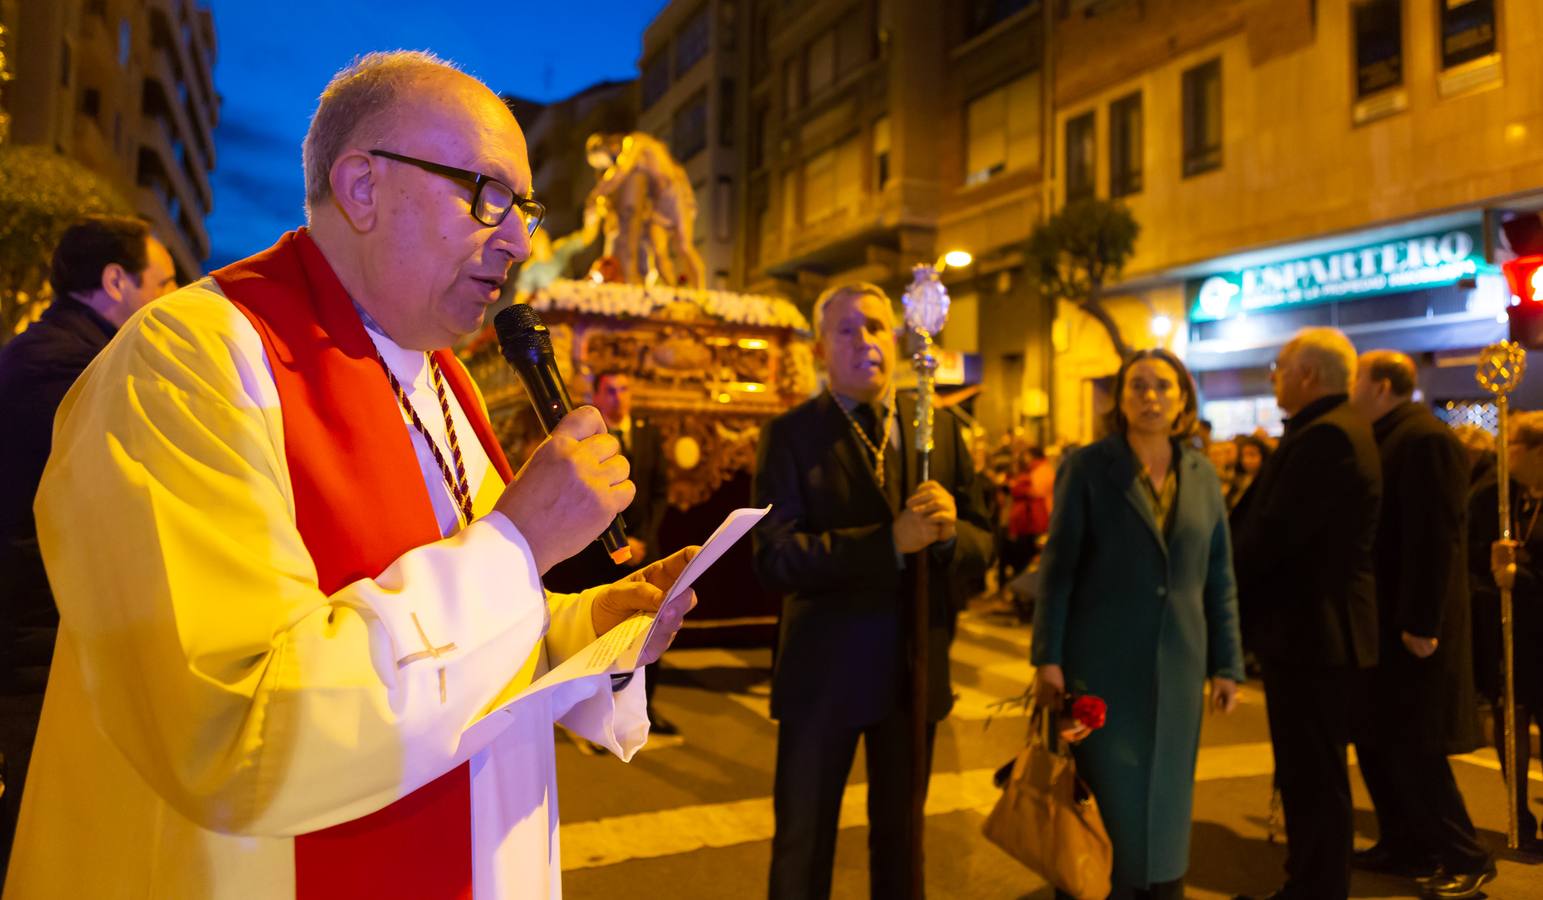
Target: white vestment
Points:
x,y
208,702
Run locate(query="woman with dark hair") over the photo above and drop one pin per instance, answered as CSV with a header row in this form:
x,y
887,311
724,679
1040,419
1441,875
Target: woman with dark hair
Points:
x,y
1138,606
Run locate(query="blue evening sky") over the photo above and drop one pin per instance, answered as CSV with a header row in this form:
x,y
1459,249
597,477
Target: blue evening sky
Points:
x,y
275,56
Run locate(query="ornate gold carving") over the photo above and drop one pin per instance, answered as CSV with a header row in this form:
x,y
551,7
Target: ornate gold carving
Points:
x,y
709,383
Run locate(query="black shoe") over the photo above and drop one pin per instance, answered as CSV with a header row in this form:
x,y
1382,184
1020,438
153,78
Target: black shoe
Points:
x,y
1387,861
658,724
1461,886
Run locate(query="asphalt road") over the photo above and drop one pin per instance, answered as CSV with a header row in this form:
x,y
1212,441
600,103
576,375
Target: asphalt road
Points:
x,y
691,819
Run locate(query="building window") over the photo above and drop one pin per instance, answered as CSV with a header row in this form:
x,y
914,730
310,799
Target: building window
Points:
x,y
1467,31
690,127
691,41
854,40
1081,150
1125,146
1203,118
792,96
125,42
760,137
881,153
1002,130
820,65
986,13
1379,46
64,64
832,182
656,78
726,112
91,102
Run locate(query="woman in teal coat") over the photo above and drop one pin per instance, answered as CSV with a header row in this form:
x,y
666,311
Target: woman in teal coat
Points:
x,y
1138,606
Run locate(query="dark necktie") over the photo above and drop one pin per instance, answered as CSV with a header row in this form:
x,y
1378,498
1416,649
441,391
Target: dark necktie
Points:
x,y
869,420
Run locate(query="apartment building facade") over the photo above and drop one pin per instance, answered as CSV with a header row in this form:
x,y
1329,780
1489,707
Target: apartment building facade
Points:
x,y
555,135
127,89
1295,163
688,97
882,133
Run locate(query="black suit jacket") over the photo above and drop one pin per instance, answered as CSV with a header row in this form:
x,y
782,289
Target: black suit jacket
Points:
x,y
1422,586
37,368
827,547
1304,554
592,566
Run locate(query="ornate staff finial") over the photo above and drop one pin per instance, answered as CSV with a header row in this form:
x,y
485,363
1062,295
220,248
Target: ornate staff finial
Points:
x,y
1501,367
926,312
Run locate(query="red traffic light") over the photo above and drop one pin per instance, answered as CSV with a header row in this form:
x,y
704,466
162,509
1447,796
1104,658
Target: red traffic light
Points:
x,y
1525,276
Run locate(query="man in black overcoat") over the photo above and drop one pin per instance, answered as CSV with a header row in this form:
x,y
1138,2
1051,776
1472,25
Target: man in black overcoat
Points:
x,y
840,472
1307,595
643,447
103,270
1420,698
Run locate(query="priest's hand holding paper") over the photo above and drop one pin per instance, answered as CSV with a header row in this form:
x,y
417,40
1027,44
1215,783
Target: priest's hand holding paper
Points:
x,y
642,592
570,489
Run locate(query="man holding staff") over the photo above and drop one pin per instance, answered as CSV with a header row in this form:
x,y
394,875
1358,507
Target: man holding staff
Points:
x,y
840,472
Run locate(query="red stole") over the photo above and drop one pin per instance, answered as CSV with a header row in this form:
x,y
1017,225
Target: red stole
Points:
x,y
360,503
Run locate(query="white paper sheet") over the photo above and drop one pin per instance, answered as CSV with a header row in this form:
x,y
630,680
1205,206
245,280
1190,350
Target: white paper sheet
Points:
x,y
618,650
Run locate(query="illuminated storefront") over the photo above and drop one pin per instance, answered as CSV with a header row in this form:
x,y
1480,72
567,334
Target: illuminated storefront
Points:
x,y
1424,288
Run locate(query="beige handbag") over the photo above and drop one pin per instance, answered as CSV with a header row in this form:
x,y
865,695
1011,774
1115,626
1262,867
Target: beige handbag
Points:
x,y
1048,820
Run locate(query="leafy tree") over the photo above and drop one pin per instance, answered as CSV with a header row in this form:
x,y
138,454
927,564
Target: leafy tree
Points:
x,y
1078,250
41,193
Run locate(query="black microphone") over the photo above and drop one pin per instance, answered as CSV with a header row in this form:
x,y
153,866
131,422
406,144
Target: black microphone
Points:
x,y
527,345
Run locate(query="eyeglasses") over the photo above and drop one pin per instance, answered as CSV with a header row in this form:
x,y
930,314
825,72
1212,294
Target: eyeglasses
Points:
x,y
491,199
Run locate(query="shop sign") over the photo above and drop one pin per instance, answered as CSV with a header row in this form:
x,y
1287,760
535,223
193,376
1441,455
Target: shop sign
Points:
x,y
1406,264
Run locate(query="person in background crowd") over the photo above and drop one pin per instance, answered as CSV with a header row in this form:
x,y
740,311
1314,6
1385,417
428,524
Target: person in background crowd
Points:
x,y
1224,458
103,271
1252,453
1137,606
1306,587
1519,563
1031,490
1480,445
643,448
1420,707
848,511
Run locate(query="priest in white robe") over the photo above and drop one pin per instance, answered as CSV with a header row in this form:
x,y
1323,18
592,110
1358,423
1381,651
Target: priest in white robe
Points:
x,y
293,568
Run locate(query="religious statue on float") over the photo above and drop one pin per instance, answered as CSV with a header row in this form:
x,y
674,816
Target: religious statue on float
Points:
x,y
647,209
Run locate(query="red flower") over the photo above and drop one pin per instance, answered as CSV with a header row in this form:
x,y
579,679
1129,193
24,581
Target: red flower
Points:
x,y
1090,711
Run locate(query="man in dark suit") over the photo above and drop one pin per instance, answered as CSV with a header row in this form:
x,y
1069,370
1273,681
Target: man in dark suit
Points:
x,y
643,447
840,472
103,270
1421,705
1308,598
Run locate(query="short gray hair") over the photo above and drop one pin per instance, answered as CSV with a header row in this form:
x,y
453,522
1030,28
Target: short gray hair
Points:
x,y
354,100
844,290
1329,353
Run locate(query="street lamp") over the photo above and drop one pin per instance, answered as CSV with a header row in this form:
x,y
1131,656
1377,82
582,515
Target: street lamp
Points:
x,y
1161,326
954,259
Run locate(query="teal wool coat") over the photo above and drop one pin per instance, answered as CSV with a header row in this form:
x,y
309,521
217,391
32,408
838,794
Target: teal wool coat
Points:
x,y
1140,619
